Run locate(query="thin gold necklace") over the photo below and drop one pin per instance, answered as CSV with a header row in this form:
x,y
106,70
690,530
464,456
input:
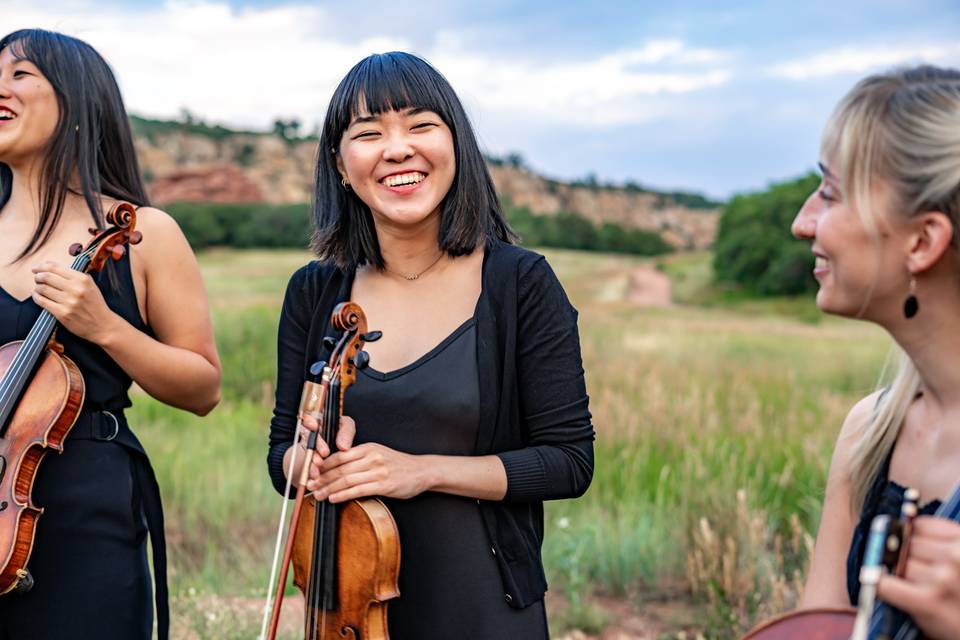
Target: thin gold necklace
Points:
x,y
414,276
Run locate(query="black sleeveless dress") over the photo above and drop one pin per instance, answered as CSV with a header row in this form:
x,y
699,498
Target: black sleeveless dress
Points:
x,y
450,586
884,498
89,559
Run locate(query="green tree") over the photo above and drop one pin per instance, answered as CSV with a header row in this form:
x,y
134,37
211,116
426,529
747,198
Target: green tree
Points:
x,y
754,248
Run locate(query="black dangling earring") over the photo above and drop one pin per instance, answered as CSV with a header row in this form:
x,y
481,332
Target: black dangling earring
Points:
x,y
910,305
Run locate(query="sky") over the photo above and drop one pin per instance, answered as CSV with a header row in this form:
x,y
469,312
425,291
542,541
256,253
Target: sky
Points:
x,y
714,97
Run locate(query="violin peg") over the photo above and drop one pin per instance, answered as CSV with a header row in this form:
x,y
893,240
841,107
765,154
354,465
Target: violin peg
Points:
x,y
117,251
93,231
135,237
371,336
75,249
317,367
361,360
329,343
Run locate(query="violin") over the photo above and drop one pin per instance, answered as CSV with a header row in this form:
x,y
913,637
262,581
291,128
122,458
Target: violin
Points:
x,y
886,550
808,624
41,394
346,558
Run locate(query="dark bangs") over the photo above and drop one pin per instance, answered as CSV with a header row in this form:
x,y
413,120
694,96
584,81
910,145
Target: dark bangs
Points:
x,y
387,82
343,225
92,142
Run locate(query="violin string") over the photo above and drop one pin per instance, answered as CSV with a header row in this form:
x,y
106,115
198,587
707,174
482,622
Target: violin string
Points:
x,y
15,377
321,594
318,597
315,597
330,426
36,336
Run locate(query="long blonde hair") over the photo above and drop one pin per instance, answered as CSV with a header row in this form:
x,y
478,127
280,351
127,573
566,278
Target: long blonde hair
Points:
x,y
901,128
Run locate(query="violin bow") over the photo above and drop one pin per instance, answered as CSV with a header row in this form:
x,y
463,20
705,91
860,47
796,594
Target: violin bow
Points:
x,y
311,400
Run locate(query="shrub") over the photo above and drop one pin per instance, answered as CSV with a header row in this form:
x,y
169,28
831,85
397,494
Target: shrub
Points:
x,y
243,225
754,248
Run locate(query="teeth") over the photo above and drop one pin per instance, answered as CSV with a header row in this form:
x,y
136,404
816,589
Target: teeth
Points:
x,y
6,114
820,262
404,178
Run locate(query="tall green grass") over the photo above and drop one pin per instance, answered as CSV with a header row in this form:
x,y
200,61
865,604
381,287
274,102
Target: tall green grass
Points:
x,y
714,430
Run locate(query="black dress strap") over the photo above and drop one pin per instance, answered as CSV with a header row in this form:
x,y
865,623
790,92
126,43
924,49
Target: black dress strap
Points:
x,y
861,532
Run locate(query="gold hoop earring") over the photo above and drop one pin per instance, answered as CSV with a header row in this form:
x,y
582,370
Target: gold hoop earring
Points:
x,y
345,184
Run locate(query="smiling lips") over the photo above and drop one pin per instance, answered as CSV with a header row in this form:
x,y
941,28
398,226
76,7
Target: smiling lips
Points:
x,y
7,114
403,182
820,265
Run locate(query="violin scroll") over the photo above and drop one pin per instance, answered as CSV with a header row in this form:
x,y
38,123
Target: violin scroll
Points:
x,y
350,318
109,242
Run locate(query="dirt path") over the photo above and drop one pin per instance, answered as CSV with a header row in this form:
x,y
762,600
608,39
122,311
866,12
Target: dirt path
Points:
x,y
649,288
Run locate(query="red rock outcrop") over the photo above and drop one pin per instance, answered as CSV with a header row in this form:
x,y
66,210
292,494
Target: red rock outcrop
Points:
x,y
210,183
244,167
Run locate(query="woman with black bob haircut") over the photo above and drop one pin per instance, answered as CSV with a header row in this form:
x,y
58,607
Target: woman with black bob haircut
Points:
x,y
66,157
473,410
345,230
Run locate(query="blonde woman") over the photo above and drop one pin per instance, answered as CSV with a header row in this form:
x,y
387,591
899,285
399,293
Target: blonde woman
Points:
x,y
884,228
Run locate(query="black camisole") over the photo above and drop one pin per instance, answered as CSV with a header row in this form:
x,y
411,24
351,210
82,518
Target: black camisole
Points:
x,y
450,586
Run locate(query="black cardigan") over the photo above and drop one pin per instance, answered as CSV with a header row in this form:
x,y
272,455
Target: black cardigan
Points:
x,y
533,401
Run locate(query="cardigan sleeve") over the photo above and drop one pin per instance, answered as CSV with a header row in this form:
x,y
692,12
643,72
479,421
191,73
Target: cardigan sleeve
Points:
x,y
292,334
557,461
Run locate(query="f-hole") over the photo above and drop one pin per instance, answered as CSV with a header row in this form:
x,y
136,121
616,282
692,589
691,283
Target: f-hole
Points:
x,y
3,470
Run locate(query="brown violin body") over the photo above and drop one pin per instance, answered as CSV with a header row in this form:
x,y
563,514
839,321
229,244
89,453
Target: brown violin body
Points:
x,y
368,565
807,624
44,416
41,393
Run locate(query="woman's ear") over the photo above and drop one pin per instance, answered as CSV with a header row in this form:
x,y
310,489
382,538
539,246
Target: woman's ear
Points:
x,y
340,168
931,237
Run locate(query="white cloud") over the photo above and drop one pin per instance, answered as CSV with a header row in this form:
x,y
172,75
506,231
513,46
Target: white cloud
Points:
x,y
245,67
861,60
617,88
242,67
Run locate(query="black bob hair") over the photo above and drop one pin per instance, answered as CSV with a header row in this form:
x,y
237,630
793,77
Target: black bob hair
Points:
x,y
92,141
343,225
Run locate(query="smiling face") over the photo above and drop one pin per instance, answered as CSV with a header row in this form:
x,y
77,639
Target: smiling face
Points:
x,y
29,111
399,163
862,271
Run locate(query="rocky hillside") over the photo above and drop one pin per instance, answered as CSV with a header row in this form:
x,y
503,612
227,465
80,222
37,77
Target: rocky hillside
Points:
x,y
188,162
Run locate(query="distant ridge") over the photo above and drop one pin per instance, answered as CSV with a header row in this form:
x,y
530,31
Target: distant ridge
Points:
x,y
189,160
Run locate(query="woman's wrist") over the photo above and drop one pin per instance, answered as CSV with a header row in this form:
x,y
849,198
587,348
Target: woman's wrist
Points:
x,y
108,331
429,471
481,477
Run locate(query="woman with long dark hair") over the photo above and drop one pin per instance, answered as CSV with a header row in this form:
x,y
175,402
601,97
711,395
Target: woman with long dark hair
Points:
x,y
884,226
66,156
473,410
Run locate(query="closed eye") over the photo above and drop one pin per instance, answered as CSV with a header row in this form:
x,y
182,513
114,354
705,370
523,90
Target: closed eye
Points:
x,y
424,125
19,73
365,134
827,194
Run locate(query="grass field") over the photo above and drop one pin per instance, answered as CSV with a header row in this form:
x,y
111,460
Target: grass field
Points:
x,y
715,421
